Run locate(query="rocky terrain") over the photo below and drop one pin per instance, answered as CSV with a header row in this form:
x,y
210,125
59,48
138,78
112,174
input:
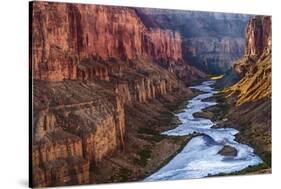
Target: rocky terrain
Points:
x,y
253,106
246,105
88,63
210,41
106,81
74,41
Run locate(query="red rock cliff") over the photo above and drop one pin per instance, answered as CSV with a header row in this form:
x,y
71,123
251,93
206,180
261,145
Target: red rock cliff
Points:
x,y
78,122
64,35
258,36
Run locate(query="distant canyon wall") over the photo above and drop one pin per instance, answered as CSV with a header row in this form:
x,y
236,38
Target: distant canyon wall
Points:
x,y
210,41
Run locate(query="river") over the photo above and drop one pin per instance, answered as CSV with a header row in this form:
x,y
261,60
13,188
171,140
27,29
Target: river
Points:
x,y
200,158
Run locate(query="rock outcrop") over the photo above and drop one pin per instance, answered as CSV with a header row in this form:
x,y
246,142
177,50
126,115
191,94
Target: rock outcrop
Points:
x,y
258,36
255,66
66,36
251,95
78,124
88,62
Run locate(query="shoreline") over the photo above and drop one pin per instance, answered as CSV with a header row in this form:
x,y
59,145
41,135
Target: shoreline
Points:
x,y
147,150
189,137
218,115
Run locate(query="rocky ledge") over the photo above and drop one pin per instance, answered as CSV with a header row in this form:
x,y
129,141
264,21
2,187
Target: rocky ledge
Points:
x,y
228,151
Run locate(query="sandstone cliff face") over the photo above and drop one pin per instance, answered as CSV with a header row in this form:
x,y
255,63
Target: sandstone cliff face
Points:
x,y
74,119
255,66
258,36
79,122
88,62
62,172
163,44
64,35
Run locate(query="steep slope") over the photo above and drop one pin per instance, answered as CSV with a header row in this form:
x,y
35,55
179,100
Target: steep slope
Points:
x,y
211,41
251,96
88,63
66,35
255,66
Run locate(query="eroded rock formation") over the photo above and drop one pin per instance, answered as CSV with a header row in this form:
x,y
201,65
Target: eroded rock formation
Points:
x,y
64,36
255,66
88,62
258,36
251,95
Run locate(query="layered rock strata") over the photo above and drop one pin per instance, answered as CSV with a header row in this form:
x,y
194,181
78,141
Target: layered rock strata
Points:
x,y
210,41
251,96
255,66
88,62
66,36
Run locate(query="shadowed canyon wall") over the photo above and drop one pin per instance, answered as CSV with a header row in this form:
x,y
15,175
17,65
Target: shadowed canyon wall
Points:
x,y
210,41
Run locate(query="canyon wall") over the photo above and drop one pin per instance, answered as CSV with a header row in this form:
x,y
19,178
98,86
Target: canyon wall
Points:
x,y
258,36
210,41
89,62
251,108
66,35
77,126
80,123
255,67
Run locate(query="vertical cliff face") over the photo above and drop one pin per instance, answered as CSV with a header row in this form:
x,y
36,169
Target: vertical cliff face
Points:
x,y
88,62
210,41
75,124
163,44
54,54
64,35
255,66
258,36
212,54
251,110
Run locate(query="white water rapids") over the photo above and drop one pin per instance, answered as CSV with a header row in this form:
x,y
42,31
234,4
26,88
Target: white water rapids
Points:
x,y
200,158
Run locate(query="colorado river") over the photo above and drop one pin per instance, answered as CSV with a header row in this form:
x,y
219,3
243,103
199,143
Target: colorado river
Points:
x,y
200,158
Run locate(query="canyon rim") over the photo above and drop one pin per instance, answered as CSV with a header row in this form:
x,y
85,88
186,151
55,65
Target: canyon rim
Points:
x,y
122,94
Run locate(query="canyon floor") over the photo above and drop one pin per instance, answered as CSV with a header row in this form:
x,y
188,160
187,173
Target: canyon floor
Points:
x,y
146,150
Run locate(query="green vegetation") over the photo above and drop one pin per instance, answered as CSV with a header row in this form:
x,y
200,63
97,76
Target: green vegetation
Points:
x,y
144,154
150,134
152,138
182,140
266,156
176,105
252,169
247,170
124,174
149,131
166,117
178,140
220,109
